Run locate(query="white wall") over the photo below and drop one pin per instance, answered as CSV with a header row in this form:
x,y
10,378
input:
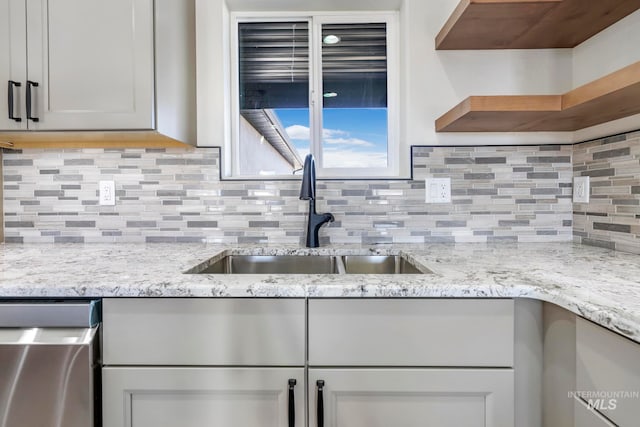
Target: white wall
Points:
x,y
608,51
435,81
256,152
432,81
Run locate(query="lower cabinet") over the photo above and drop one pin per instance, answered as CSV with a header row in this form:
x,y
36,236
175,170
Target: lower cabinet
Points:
x,y
411,397
195,397
607,372
588,417
369,363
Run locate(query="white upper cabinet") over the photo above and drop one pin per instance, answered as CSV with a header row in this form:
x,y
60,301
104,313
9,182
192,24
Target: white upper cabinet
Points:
x,y
13,64
81,64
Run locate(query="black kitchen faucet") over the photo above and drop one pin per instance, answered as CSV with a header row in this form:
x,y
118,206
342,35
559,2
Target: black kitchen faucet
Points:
x,y
308,192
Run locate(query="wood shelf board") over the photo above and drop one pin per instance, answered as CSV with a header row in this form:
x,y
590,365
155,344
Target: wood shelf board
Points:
x,y
526,24
107,139
611,97
488,113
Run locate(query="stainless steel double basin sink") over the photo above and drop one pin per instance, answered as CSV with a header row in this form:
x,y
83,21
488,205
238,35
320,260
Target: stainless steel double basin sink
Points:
x,y
310,264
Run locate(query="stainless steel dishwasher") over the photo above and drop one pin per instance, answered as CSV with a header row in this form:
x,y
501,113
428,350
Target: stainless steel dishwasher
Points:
x,y
49,370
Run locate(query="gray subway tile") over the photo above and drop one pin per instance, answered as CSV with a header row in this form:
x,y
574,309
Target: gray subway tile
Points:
x,y
451,224
48,193
202,224
79,162
68,239
549,159
264,224
619,152
458,161
479,175
542,175
599,172
19,224
490,160
79,224
171,193
618,228
141,224
17,162
513,222
160,239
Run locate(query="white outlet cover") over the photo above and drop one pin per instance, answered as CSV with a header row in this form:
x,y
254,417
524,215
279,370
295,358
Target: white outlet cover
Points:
x,y
438,190
107,193
581,189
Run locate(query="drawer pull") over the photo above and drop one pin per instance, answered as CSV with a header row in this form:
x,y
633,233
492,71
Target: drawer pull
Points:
x,y
320,411
29,85
292,403
12,86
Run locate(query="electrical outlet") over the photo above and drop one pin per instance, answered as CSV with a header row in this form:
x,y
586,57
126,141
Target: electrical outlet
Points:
x,y
438,190
581,189
107,192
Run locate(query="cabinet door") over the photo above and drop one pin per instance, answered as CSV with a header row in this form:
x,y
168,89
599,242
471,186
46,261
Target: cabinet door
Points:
x,y
587,417
412,397
607,366
13,62
195,397
93,63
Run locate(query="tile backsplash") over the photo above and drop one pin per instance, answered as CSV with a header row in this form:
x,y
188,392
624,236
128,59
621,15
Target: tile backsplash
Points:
x,y
611,219
500,193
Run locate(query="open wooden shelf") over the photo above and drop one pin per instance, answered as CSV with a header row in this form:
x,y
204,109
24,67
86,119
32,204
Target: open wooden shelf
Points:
x,y
94,139
529,24
611,97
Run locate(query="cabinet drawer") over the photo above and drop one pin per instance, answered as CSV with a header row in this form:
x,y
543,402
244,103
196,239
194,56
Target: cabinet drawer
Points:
x,y
587,417
199,331
411,332
607,362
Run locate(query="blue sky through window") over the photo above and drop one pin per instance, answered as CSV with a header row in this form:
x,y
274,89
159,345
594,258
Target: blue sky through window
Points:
x,y
352,137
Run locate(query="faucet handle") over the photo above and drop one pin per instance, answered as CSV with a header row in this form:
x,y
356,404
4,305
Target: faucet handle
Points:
x,y
308,188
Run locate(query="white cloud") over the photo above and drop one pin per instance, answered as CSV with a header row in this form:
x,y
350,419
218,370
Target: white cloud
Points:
x,y
332,133
329,136
299,132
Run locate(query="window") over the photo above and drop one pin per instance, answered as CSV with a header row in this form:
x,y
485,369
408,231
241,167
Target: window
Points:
x,y
321,85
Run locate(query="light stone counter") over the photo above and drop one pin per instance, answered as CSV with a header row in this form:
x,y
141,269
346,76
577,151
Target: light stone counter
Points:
x,y
598,284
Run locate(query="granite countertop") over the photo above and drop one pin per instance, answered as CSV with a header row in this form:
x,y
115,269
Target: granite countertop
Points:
x,y
598,284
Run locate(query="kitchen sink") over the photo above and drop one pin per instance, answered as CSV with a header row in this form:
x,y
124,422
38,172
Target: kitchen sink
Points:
x,y
273,264
310,264
378,264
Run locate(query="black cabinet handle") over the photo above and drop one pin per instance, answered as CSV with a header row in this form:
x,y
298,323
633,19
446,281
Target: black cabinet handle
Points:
x,y
12,85
29,85
292,403
320,412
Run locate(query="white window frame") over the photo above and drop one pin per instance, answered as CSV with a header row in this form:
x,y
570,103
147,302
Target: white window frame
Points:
x,y
316,20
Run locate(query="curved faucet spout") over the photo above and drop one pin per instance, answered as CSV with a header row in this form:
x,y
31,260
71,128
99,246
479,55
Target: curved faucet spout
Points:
x,y
308,192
